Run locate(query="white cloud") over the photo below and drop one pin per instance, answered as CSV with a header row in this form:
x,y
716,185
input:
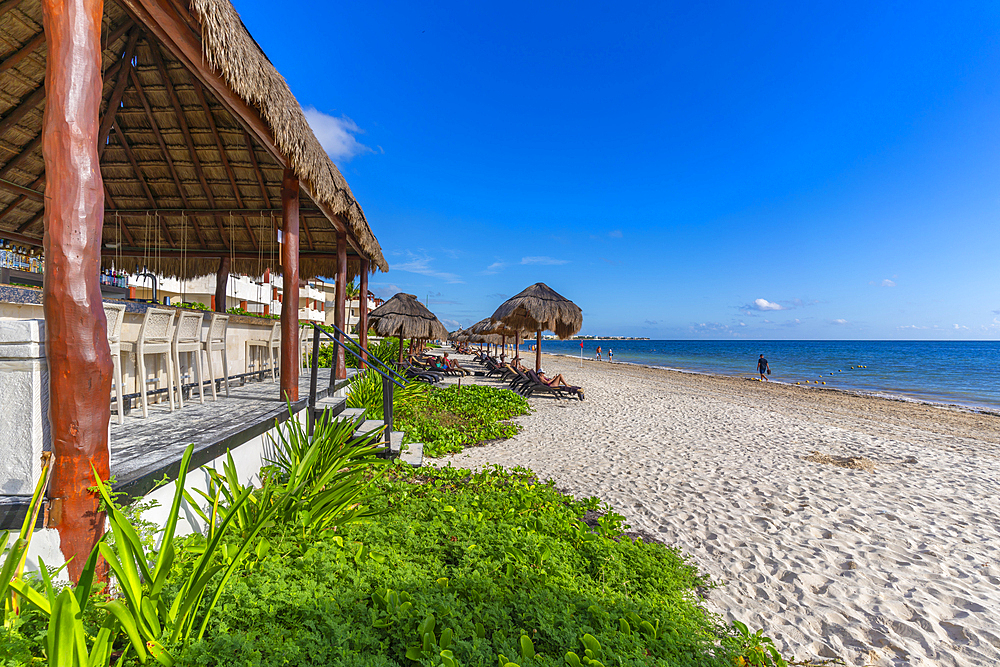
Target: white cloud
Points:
x,y
385,290
421,264
914,327
764,304
336,135
495,267
546,261
888,283
959,327
616,234
839,322
451,325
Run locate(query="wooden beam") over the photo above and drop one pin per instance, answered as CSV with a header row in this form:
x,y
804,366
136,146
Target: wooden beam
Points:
x,y
221,281
27,150
290,282
363,308
163,20
256,168
32,220
142,181
8,5
20,200
182,121
309,238
29,193
76,344
340,303
223,156
21,238
116,34
22,52
26,104
114,100
166,153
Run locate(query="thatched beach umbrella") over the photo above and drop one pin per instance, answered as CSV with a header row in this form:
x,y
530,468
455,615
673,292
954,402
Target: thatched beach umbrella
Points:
x,y
491,326
540,308
404,316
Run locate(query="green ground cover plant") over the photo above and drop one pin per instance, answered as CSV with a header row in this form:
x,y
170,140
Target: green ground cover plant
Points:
x,y
449,419
466,569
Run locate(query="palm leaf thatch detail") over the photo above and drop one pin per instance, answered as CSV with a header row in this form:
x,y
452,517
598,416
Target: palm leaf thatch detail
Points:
x,y
231,50
540,308
404,316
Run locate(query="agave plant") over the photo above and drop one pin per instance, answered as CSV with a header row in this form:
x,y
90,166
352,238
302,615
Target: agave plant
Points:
x,y
365,391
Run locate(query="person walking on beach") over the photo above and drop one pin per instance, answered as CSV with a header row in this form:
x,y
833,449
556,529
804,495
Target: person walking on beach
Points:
x,y
599,353
611,355
763,368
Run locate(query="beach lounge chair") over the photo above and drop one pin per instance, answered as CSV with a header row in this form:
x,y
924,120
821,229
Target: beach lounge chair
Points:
x,y
537,385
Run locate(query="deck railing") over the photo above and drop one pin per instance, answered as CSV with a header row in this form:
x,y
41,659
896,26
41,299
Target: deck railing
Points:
x,y
390,377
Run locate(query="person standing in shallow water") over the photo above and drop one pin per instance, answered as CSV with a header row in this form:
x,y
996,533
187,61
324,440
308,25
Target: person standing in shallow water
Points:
x,y
599,353
763,368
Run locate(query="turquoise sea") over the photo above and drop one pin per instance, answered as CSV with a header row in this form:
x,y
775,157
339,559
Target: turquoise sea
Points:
x,y
953,372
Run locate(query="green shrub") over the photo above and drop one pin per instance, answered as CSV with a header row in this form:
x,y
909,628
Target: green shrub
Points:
x,y
385,350
466,568
456,417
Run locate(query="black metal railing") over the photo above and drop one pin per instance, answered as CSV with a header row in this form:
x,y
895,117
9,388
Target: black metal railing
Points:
x,y
390,377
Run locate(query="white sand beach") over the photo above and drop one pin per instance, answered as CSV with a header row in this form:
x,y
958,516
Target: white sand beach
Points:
x,y
895,566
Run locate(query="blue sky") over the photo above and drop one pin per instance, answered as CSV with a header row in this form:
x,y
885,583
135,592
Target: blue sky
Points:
x,y
679,170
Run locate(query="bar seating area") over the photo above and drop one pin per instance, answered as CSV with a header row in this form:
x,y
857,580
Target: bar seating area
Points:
x,y
170,148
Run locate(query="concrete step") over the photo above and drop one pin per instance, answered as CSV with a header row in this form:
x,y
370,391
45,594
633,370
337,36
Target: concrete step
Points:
x,y
351,413
395,442
414,454
335,405
369,425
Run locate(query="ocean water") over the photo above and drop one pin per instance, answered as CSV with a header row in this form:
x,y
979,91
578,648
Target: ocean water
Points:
x,y
963,373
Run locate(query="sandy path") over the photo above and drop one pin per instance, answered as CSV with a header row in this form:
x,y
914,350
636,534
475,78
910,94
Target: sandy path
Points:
x,y
893,567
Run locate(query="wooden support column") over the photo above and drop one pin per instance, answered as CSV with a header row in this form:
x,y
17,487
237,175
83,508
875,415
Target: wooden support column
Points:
x,y
76,340
363,309
538,351
340,301
221,282
290,283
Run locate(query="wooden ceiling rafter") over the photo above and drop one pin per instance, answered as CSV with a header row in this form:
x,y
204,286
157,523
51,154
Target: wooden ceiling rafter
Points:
x,y
256,169
203,100
27,103
142,181
26,151
8,5
117,91
141,94
116,34
23,198
23,52
186,131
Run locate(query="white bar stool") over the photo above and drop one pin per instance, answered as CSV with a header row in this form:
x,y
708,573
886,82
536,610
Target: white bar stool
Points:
x,y
154,338
187,339
114,313
270,346
216,342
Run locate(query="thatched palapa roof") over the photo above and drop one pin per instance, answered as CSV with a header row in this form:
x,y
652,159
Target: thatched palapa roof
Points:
x,y
540,308
404,315
192,172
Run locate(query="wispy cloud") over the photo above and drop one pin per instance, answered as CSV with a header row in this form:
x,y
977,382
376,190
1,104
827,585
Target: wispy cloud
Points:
x,y
336,135
616,234
651,323
545,261
385,290
764,304
884,283
495,267
959,327
443,302
451,325
498,295
421,264
839,322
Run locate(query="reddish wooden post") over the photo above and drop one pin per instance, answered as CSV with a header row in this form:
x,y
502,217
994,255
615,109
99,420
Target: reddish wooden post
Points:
x,y
538,352
363,309
76,341
290,283
221,282
340,298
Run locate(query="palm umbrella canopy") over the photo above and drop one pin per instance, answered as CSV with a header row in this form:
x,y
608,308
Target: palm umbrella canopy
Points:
x,y
403,315
540,308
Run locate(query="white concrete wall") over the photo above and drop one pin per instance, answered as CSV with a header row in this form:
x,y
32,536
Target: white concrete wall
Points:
x,y
248,457
24,404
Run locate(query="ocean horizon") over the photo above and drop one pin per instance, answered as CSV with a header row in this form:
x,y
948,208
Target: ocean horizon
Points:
x,y
961,373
